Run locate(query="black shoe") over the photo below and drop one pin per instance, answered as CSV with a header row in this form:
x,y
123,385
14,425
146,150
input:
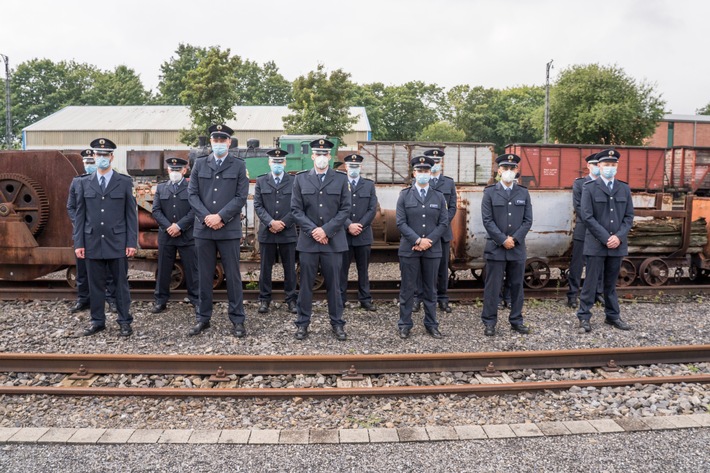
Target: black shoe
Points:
x,y
572,303
417,306
263,307
292,307
239,331
198,328
599,300
490,330
125,331
445,307
112,307
618,323
92,329
78,307
157,308
434,332
339,332
585,326
520,328
404,333
367,305
301,333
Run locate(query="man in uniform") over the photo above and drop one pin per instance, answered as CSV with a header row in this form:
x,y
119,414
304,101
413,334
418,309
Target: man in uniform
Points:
x,y
175,217
608,214
422,219
507,216
218,191
359,231
577,262
320,204
106,235
277,233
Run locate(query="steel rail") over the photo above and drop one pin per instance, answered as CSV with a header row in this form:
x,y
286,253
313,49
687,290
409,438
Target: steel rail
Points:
x,y
143,290
338,364
394,391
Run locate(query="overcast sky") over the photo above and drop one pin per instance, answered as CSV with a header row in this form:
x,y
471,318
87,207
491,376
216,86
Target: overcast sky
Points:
x,y
499,44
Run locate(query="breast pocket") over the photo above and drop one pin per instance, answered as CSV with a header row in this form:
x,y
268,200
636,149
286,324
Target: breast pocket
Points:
x,y
499,202
117,195
267,190
90,194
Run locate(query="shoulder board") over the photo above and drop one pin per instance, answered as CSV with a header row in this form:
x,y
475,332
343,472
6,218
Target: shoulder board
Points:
x,y
341,172
262,175
366,179
405,189
449,178
589,182
524,187
491,185
301,172
79,175
583,177
623,182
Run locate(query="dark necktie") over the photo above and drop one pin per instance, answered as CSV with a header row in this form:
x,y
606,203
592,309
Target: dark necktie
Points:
x,y
102,181
507,191
219,163
423,193
322,177
277,180
608,184
352,183
175,188
434,181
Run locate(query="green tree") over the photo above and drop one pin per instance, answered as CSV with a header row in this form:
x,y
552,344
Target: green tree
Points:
x,y
602,104
174,71
320,104
370,96
210,93
407,109
122,86
704,111
442,131
261,86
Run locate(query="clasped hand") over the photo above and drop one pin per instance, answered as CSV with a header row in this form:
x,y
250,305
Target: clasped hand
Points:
x,y
214,221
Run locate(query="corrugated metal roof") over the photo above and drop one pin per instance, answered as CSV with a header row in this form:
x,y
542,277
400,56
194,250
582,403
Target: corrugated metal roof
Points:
x,y
166,117
686,118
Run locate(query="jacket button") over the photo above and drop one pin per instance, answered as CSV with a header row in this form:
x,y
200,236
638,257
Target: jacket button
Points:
x,y
102,198
612,221
102,210
277,201
510,203
424,225
510,214
102,236
320,205
214,201
102,223
216,177
321,192
215,190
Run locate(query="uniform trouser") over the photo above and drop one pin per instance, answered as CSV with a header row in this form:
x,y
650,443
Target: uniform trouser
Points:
x,y
495,272
330,264
361,255
207,262
98,271
575,271
287,254
414,269
606,267
505,291
442,276
82,284
166,261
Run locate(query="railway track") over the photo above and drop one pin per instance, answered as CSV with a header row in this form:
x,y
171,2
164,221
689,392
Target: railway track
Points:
x,y
225,371
463,290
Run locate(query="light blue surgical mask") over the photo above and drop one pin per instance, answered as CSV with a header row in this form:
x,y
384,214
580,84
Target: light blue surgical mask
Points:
x,y
608,172
277,169
354,172
90,168
219,149
104,162
436,168
423,178
595,171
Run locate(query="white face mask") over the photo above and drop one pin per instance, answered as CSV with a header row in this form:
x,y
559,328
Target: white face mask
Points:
x,y
175,176
507,176
322,161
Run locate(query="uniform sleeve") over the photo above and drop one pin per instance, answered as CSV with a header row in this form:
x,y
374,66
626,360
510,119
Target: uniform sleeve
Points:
x,y
369,216
193,193
442,223
451,204
259,208
404,229
298,210
71,201
236,204
79,217
157,212
489,223
628,220
131,216
577,196
522,231
337,223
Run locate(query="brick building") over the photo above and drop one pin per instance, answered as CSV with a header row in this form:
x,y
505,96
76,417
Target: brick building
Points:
x,y
681,130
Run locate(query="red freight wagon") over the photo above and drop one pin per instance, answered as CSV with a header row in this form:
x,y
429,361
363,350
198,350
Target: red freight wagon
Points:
x,y
688,169
553,166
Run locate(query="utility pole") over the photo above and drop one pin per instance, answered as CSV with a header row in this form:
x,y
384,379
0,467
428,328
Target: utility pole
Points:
x,y
547,103
8,115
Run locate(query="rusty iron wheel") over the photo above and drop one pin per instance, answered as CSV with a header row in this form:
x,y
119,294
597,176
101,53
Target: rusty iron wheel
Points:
x,y
627,273
27,199
654,271
537,273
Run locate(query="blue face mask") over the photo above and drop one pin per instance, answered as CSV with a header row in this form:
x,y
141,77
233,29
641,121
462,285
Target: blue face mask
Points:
x,y
103,162
423,178
353,172
436,168
595,170
219,149
90,168
277,168
608,172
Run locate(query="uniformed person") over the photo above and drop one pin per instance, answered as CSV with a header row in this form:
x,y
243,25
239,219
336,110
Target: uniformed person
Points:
x,y
277,233
106,235
218,191
359,231
507,216
446,186
175,217
608,214
577,262
422,219
320,204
